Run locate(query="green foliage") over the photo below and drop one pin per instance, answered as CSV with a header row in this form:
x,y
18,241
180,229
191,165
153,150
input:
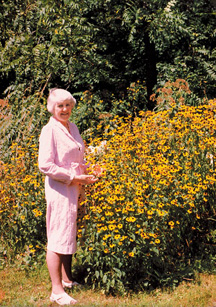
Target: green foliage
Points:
x,y
183,46
105,45
93,115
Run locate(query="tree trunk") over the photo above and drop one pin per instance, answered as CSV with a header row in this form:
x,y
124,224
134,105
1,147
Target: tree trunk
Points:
x,y
151,72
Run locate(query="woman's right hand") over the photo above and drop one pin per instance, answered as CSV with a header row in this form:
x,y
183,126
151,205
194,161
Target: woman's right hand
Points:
x,y
84,179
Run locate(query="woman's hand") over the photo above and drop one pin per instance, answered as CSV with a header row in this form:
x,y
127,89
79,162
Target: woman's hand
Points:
x,y
96,170
84,179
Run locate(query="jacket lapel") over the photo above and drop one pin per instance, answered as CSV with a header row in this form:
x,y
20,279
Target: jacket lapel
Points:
x,y
56,123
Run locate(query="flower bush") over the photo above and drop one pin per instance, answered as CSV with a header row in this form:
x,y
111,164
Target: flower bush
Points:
x,y
152,213
22,203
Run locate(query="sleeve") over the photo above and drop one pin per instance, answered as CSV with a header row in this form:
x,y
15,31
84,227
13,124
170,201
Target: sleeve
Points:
x,y
46,158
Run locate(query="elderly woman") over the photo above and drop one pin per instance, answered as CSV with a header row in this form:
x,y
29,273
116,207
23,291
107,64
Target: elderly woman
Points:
x,y
61,159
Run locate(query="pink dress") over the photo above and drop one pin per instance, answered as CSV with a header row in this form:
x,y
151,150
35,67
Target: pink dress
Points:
x,y
61,156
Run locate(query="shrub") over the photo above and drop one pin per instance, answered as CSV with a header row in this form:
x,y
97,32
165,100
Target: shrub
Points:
x,y
175,92
22,204
151,214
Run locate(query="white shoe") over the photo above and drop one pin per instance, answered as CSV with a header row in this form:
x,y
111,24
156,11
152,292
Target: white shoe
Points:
x,y
69,284
62,299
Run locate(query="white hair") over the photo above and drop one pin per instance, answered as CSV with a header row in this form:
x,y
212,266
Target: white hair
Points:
x,y
58,95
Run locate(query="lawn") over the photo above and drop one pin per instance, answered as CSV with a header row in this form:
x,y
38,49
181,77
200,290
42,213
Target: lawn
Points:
x,y
21,288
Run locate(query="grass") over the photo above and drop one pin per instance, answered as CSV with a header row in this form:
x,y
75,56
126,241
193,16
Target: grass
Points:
x,y
32,289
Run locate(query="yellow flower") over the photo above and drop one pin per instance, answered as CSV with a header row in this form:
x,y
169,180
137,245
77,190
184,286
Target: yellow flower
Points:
x,y
133,219
131,254
144,235
112,227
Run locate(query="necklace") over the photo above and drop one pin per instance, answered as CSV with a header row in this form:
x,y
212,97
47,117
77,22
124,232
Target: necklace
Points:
x,y
68,127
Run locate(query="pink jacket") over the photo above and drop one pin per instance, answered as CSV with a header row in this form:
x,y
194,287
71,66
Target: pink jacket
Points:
x,y
61,156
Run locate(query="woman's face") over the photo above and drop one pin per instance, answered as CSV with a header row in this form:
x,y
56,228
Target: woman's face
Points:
x,y
62,110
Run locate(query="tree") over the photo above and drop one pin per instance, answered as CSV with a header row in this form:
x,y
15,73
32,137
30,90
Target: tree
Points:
x,y
104,46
